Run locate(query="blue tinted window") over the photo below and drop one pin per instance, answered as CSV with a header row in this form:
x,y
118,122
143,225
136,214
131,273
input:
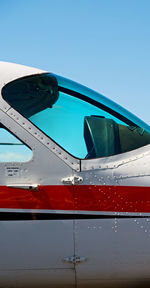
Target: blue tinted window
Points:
x,y
64,123
91,94
11,149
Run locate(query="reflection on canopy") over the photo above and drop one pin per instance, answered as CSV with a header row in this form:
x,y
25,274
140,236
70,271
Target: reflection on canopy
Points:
x,y
31,94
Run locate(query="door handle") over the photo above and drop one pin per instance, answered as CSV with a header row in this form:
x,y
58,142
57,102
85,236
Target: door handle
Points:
x,y
72,180
32,187
75,259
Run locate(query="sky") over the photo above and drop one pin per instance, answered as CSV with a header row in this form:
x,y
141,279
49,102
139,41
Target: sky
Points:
x,y
103,44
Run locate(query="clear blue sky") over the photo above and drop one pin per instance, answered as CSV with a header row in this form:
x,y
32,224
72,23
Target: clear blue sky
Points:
x,y
103,44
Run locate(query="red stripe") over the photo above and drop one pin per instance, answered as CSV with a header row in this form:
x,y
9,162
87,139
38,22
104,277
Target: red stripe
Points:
x,y
84,198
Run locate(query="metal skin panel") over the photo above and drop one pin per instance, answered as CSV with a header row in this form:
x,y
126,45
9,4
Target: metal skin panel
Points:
x,y
117,250
116,161
134,173
33,245
38,278
117,244
44,168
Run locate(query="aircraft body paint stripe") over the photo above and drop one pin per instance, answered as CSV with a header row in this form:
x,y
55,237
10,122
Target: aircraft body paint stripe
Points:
x,y
78,198
17,216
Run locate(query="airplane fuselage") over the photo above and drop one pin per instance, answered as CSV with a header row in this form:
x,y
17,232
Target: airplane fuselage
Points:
x,y
70,217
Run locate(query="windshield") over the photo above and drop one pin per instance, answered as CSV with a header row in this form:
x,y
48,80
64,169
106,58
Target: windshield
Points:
x,y
101,99
83,122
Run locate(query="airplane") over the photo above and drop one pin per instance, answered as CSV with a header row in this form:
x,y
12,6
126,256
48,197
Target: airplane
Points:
x,y
74,185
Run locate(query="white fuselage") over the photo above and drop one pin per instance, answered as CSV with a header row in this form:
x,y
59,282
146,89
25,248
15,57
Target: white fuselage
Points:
x,y
71,234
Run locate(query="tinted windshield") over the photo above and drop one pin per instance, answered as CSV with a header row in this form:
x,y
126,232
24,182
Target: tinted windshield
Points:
x,y
83,122
101,99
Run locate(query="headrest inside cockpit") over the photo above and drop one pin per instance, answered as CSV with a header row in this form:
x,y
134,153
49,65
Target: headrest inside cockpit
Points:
x,y
104,137
31,94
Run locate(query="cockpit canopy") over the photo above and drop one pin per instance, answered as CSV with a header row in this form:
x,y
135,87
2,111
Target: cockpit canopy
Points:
x,y
83,122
